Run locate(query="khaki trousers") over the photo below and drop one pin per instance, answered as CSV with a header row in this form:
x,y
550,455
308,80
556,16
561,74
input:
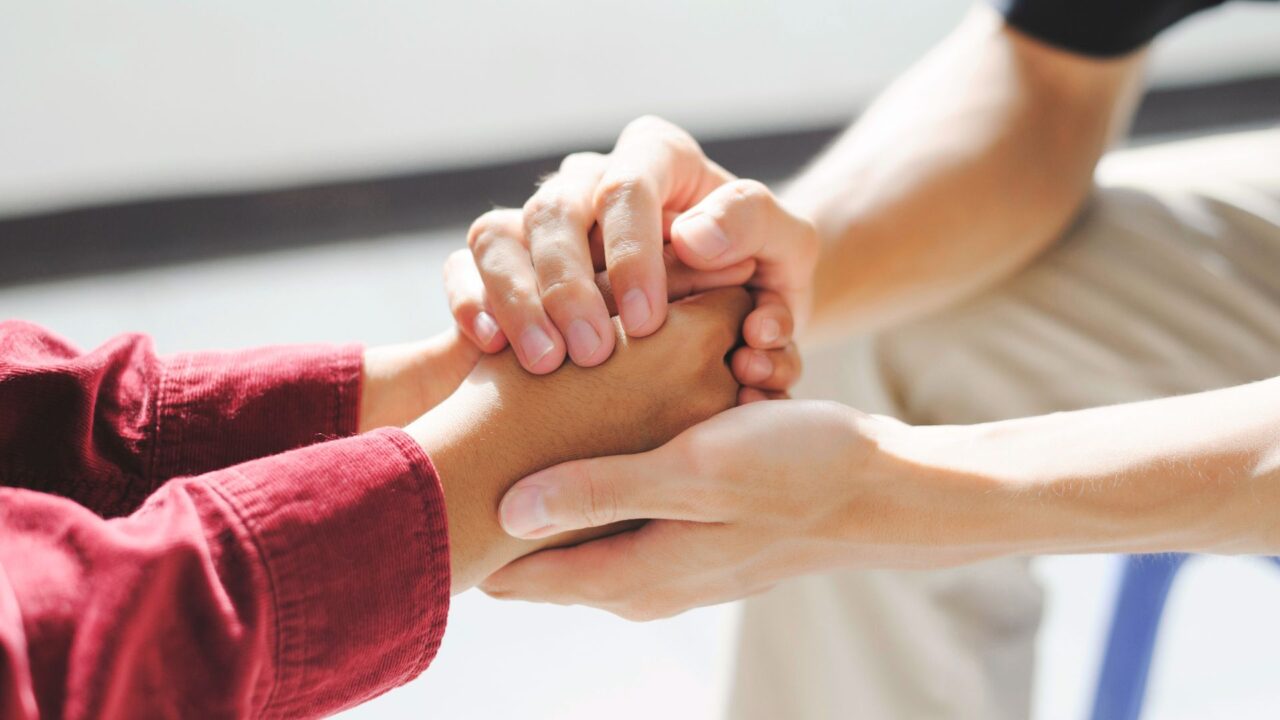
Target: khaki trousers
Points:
x,y
1168,283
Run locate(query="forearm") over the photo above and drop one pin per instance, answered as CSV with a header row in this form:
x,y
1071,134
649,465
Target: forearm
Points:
x,y
967,167
1198,473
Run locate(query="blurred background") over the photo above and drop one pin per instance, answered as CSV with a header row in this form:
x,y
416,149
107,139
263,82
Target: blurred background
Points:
x,y
238,173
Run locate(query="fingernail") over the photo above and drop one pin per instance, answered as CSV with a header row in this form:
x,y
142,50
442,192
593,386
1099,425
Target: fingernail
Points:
x,y
704,237
635,309
485,327
523,512
536,344
769,330
759,367
583,339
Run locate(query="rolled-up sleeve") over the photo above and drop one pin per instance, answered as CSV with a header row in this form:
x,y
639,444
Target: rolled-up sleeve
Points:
x,y
215,409
107,427
289,586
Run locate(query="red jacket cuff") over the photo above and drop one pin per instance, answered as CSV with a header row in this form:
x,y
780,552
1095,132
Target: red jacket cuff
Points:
x,y
355,544
217,409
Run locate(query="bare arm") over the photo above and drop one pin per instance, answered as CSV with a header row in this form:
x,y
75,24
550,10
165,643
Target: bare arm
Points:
x,y
1197,473
967,167
772,490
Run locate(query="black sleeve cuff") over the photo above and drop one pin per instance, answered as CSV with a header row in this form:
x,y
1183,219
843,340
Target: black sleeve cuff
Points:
x,y
1099,28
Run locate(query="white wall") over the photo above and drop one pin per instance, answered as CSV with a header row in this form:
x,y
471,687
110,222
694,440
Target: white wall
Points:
x,y
102,101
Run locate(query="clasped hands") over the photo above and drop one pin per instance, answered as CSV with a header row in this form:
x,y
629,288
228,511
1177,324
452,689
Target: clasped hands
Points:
x,y
721,505
654,482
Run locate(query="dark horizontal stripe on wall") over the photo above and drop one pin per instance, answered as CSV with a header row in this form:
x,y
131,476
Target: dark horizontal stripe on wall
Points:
x,y
178,229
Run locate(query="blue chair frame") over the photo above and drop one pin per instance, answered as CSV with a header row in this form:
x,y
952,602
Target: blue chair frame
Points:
x,y
1144,588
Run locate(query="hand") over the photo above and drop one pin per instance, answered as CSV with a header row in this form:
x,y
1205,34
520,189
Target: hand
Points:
x,y
752,496
504,423
401,382
764,373
612,212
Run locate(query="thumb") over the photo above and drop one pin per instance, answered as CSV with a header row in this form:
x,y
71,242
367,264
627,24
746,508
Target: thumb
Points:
x,y
739,220
594,492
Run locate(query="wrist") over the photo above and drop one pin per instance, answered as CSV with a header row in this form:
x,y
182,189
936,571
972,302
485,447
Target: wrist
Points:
x,y
467,444
401,382
950,475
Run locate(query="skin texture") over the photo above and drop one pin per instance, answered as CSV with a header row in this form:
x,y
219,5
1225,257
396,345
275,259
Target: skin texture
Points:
x,y
964,170
503,423
870,492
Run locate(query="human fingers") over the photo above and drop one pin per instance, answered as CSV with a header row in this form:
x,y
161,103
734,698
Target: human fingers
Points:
x,y
467,302
502,257
655,165
557,222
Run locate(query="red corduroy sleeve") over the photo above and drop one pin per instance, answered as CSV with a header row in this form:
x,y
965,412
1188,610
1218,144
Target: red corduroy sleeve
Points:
x,y
290,586
107,427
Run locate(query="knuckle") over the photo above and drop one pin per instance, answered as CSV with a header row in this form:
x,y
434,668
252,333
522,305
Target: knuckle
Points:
x,y
565,290
551,205
625,250
598,498
749,197
667,132
682,143
620,188
486,229
515,294
751,193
